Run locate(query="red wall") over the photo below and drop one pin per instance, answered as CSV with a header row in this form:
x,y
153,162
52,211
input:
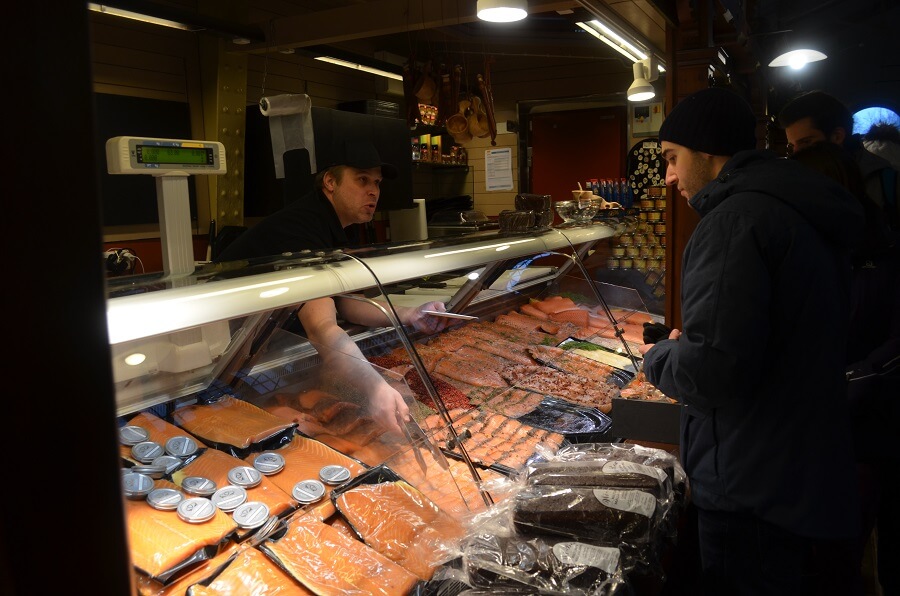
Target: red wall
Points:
x,y
575,146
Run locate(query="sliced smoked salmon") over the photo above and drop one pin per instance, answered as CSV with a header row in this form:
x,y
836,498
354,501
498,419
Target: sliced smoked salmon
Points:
x,y
230,421
330,563
251,572
159,540
401,523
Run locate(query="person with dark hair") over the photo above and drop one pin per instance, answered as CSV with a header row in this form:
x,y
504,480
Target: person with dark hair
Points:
x,y
815,116
346,192
873,369
759,364
883,139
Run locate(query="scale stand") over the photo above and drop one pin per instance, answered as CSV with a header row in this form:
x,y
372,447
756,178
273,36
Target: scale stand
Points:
x,y
171,161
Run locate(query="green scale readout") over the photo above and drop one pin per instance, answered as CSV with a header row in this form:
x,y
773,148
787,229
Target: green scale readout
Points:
x,y
164,157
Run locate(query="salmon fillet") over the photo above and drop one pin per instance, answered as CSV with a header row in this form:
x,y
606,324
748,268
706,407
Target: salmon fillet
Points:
x,y
402,524
230,421
330,563
214,464
251,572
147,586
160,431
159,540
303,458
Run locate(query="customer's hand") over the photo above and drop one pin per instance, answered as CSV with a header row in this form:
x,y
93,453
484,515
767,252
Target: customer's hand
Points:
x,y
643,349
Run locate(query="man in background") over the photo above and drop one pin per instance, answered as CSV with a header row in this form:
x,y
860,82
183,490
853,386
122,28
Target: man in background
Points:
x,y
759,365
815,116
346,192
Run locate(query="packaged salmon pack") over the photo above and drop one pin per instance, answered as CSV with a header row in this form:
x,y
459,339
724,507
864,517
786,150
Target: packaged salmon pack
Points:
x,y
248,571
234,426
398,521
327,560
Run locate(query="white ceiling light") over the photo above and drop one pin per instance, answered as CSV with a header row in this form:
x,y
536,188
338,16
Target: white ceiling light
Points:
x,y
502,11
361,67
797,59
645,72
627,47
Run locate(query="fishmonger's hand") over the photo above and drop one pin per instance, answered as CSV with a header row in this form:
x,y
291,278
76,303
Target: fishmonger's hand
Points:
x,y
387,407
424,322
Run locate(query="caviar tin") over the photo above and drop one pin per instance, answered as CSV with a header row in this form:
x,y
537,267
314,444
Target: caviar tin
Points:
x,y
308,491
334,475
165,499
612,263
659,228
198,486
632,251
136,486
626,263
181,446
169,462
196,510
151,470
654,215
618,251
251,514
245,476
146,451
269,463
132,435
229,498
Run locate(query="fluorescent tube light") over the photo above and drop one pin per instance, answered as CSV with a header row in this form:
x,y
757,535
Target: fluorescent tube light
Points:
x,y
360,67
118,12
627,48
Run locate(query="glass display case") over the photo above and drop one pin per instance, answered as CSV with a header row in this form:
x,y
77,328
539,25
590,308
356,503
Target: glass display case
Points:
x,y
217,360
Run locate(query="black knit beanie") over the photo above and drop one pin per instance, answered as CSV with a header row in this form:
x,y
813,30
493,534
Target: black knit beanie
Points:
x,y
715,121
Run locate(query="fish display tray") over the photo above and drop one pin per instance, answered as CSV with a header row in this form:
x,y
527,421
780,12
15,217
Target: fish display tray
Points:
x,y
577,423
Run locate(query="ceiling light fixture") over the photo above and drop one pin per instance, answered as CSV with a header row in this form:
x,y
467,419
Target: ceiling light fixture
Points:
x,y
797,59
136,16
645,72
360,67
617,41
502,11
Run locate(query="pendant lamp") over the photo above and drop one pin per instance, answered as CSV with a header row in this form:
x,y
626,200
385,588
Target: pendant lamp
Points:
x,y
798,58
502,11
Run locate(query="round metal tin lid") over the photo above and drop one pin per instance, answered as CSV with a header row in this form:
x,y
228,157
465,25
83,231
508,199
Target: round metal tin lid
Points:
x,y
164,499
308,491
181,446
136,486
334,474
251,515
146,451
169,462
196,510
132,435
269,463
229,498
245,476
151,470
198,485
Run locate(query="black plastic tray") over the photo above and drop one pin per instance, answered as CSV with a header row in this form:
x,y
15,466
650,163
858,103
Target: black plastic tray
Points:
x,y
571,420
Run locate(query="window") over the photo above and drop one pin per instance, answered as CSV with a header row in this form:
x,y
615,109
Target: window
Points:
x,y
864,119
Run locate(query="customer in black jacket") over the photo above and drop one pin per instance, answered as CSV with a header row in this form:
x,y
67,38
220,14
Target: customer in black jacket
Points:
x,y
873,363
759,365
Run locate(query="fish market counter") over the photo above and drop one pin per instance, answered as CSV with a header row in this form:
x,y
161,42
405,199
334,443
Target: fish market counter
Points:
x,y
251,458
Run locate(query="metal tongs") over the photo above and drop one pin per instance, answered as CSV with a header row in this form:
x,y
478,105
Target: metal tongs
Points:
x,y
418,439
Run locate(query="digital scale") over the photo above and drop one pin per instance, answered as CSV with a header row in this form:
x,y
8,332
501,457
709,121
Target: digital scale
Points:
x,y
171,161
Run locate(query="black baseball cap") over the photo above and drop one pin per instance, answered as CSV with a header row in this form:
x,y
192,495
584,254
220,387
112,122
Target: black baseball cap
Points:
x,y
359,154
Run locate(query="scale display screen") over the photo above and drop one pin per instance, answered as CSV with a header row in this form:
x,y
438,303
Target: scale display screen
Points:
x,y
148,154
164,157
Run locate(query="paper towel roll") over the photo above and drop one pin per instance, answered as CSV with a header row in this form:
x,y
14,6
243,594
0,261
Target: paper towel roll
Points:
x,y
409,224
290,126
